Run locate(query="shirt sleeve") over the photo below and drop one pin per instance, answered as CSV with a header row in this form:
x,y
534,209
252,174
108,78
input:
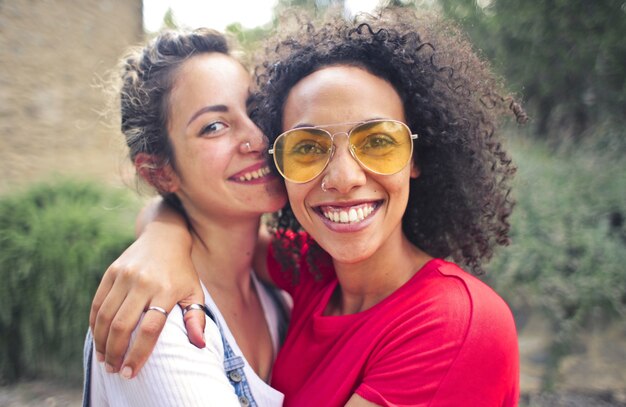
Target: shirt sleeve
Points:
x,y
417,351
176,373
459,349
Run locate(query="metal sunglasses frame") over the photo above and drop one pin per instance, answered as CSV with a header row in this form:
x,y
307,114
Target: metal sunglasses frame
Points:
x,y
412,136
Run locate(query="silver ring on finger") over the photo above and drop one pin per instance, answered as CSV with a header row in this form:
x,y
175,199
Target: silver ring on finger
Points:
x,y
192,307
155,308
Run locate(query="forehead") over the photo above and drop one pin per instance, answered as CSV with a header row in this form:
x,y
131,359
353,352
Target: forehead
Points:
x,y
340,94
205,80
211,72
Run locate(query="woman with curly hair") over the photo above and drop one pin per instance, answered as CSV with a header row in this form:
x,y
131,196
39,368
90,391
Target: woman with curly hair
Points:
x,y
384,129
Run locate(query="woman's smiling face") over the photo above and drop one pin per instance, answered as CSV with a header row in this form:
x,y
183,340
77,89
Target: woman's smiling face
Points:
x,y
359,211
220,162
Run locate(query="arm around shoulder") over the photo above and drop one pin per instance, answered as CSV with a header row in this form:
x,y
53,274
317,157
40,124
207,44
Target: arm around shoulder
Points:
x,y
156,270
177,373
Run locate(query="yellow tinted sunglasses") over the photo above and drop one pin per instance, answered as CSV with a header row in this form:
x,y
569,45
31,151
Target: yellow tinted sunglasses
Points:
x,y
381,146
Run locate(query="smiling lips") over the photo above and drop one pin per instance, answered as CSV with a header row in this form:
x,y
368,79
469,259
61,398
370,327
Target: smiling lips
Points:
x,y
351,214
253,175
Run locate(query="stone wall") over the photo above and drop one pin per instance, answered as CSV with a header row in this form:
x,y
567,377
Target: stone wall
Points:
x,y
54,56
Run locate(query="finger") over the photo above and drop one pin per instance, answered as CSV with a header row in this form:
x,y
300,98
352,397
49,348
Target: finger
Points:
x,y
106,313
195,320
147,336
122,327
101,293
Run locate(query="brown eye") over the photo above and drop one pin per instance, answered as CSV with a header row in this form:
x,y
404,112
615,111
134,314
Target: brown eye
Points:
x,y
377,140
307,147
213,128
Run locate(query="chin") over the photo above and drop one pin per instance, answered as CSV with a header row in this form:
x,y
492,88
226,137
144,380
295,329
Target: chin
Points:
x,y
348,255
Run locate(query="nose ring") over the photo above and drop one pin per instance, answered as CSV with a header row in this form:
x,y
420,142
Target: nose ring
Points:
x,y
246,147
324,185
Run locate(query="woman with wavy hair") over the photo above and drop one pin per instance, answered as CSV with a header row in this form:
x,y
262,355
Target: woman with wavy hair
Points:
x,y
385,131
183,115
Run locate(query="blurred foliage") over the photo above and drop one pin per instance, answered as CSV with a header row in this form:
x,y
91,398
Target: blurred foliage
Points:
x,y
250,40
316,6
56,240
169,20
568,256
565,57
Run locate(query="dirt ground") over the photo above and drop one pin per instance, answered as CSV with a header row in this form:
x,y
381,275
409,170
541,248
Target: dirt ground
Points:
x,y
40,393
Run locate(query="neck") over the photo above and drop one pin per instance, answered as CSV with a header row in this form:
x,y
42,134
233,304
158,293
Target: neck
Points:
x,y
366,283
222,251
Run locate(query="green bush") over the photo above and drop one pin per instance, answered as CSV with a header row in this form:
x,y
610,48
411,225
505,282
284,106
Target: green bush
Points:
x,y
56,241
568,256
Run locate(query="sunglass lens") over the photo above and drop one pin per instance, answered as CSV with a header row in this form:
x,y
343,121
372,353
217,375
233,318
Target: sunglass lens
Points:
x,y
382,146
302,154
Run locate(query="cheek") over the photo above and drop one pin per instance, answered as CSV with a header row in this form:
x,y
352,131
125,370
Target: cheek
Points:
x,y
296,193
398,189
401,186
213,156
396,184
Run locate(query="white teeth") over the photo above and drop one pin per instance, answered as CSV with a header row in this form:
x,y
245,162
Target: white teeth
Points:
x,y
343,217
261,172
350,215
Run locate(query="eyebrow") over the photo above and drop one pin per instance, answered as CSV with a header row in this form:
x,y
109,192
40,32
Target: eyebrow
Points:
x,y
211,108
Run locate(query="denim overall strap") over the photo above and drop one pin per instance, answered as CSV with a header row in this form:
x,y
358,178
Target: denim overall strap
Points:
x,y
233,365
87,356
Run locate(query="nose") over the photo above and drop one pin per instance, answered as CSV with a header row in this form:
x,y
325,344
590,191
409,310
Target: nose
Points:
x,y
252,139
343,173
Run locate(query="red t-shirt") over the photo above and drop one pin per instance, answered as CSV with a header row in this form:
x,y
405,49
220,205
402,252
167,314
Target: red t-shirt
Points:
x,y
442,339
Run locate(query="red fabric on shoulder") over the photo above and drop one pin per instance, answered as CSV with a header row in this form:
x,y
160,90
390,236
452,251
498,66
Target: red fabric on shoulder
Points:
x,y
443,338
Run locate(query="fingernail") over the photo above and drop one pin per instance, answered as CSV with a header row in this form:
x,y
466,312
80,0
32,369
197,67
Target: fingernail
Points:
x,y
108,368
100,356
126,372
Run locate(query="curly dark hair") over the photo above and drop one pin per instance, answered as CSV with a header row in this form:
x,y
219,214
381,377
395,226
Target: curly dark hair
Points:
x,y
459,206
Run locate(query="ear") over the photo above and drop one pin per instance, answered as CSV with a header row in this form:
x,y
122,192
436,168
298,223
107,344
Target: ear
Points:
x,y
415,170
154,172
